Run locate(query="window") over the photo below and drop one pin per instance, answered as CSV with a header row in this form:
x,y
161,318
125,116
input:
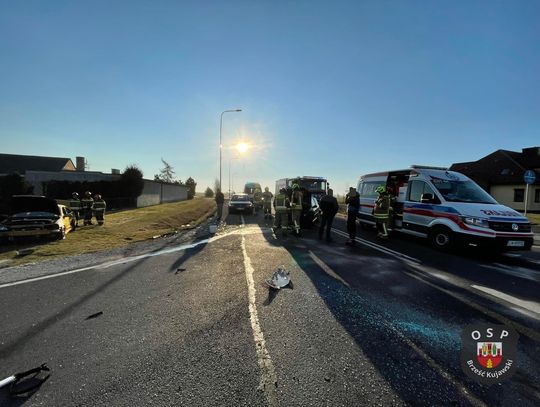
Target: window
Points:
x,y
537,195
519,194
418,188
506,171
369,189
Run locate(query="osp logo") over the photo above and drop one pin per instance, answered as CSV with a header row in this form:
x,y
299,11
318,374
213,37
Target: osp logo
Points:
x,y
488,352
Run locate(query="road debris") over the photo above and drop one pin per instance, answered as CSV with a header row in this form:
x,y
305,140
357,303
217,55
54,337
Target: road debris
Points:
x,y
179,270
25,252
97,314
279,279
26,382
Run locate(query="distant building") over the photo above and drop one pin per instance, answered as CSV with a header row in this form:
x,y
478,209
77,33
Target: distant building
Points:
x,y
38,171
501,174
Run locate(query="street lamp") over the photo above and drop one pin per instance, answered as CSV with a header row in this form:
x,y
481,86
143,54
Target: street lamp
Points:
x,y
221,145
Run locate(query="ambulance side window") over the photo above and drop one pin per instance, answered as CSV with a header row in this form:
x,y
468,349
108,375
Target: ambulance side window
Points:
x,y
417,188
369,189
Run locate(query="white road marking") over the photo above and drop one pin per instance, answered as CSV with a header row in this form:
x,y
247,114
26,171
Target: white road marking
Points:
x,y
268,374
378,247
326,268
528,305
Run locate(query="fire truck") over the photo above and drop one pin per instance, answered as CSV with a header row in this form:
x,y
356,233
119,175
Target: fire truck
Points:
x,y
313,188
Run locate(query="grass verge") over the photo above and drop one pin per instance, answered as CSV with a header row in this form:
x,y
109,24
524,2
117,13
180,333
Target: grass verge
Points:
x,y
120,229
534,218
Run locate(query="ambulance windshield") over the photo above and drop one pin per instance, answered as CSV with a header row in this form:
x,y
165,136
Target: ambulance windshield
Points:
x,y
462,191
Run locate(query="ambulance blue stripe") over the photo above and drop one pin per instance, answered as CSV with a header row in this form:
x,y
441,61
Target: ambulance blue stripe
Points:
x,y
437,208
510,219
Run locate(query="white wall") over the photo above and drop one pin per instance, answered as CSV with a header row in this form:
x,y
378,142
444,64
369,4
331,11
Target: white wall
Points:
x,y
155,193
504,194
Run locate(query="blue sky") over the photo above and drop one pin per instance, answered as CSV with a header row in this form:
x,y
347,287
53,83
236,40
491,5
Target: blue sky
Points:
x,y
336,89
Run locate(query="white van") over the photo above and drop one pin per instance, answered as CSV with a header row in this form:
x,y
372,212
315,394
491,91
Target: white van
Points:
x,y
447,207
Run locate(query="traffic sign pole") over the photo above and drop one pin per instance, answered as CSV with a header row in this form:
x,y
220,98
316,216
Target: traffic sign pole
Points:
x,y
529,177
526,197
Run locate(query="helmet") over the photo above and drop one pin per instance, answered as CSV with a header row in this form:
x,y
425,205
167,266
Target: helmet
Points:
x,y
97,196
88,194
381,189
283,191
266,189
295,186
75,195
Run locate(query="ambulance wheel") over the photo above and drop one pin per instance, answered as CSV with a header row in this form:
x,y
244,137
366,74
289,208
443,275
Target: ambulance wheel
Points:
x,y
442,238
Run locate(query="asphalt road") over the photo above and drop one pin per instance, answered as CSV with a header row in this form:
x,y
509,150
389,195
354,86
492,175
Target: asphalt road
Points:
x,y
195,325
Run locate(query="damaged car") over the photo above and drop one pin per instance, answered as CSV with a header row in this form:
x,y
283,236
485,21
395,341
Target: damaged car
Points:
x,y
36,216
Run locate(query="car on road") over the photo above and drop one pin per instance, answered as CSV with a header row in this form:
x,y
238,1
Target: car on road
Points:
x,y
33,216
241,203
446,207
254,191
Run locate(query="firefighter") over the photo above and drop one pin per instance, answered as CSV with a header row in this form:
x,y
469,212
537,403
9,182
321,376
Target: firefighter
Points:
x,y
99,209
353,208
281,207
86,206
381,211
296,208
75,206
267,203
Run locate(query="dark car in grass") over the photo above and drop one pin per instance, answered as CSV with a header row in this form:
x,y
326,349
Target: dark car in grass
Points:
x,y
241,203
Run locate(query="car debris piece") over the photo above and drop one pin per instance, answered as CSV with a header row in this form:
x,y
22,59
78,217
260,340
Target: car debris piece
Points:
x,y
25,382
179,270
25,252
279,279
97,314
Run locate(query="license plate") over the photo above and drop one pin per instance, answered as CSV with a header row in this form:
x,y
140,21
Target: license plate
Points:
x,y
515,243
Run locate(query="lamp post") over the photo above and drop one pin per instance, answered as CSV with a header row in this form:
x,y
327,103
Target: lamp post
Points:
x,y
220,144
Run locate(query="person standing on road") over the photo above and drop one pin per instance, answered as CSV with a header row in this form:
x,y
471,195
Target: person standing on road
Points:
x,y
87,204
381,211
352,199
329,207
75,206
99,209
296,208
220,199
267,203
281,207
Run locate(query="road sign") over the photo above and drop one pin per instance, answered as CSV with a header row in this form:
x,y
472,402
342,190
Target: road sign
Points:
x,y
529,177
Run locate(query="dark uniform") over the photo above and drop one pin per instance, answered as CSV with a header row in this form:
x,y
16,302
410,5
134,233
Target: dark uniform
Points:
x,y
220,199
329,207
86,206
75,206
99,209
352,199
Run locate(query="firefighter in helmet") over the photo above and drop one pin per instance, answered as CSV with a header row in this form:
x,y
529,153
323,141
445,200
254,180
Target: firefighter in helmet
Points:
x,y
87,204
296,208
99,209
75,206
281,207
381,211
267,203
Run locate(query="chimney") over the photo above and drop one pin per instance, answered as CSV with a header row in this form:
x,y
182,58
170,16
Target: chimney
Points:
x,y
115,171
531,151
81,163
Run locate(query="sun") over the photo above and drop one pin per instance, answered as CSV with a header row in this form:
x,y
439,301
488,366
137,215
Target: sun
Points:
x,y
242,147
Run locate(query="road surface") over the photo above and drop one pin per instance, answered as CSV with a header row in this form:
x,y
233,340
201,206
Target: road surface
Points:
x,y
195,325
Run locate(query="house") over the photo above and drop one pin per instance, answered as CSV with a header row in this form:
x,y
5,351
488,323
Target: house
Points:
x,y
15,163
501,174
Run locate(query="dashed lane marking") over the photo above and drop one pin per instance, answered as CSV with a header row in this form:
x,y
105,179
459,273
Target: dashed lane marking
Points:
x,y
528,305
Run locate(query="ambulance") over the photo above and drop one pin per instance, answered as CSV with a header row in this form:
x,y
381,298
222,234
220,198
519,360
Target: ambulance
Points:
x,y
445,207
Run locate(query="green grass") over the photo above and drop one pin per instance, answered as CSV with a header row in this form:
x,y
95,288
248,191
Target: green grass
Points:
x,y
121,229
534,218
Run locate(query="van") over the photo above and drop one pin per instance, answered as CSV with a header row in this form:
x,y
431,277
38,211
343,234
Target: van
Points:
x,y
445,207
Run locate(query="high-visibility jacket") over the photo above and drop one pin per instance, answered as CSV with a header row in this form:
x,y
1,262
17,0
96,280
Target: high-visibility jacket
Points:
x,y
75,204
87,203
281,202
382,207
296,201
99,206
267,197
